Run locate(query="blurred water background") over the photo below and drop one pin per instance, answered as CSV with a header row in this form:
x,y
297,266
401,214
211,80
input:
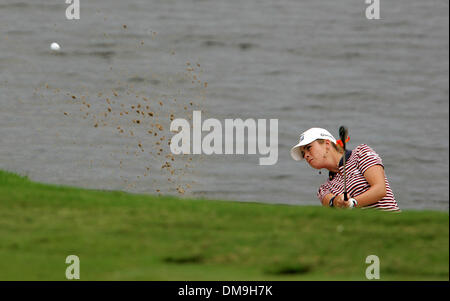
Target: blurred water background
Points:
x,y
307,63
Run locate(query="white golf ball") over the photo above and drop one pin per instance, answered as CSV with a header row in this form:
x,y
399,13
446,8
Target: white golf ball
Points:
x,y
55,46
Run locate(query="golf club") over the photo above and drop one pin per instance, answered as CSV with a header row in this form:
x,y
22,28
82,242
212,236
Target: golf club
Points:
x,y
343,132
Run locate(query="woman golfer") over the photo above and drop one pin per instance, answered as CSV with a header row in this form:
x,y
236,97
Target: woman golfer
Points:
x,y
365,181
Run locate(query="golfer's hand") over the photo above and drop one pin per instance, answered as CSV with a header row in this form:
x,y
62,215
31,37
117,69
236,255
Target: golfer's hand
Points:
x,y
339,201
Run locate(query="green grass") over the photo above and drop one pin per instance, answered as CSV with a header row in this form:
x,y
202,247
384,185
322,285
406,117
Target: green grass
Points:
x,y
121,236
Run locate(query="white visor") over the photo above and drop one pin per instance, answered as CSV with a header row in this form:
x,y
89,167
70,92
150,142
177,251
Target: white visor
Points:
x,y
307,137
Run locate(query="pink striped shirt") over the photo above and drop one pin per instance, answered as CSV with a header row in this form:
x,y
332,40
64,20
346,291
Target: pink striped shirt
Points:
x,y
358,161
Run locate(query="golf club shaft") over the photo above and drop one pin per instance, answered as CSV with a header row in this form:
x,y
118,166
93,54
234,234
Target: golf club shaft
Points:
x,y
343,132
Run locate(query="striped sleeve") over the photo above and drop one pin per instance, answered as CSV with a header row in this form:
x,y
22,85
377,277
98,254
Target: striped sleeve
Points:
x,y
324,189
367,157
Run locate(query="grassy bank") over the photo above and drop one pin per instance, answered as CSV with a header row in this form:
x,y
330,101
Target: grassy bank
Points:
x,y
120,236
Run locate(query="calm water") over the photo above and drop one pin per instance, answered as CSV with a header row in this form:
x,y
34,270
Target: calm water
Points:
x,y
306,63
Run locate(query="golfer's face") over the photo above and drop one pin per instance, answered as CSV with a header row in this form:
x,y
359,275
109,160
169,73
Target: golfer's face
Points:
x,y
313,154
